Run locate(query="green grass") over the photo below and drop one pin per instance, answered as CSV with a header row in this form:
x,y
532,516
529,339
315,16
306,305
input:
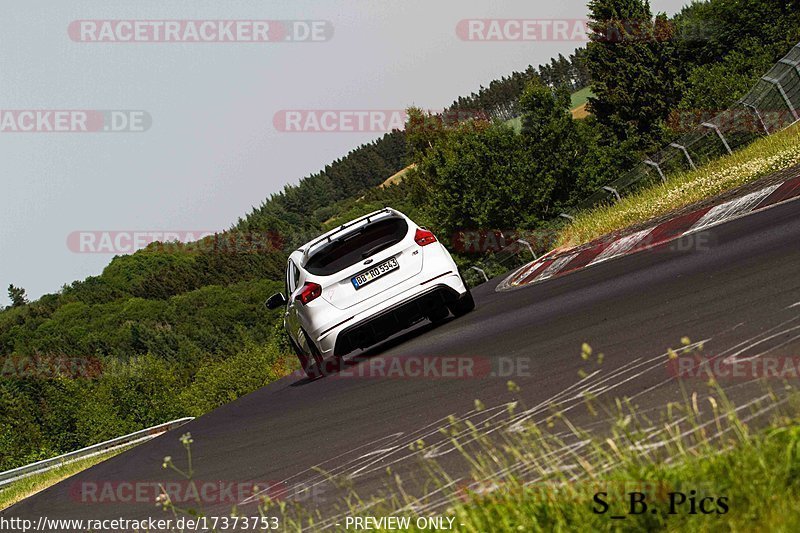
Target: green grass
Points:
x,y
701,442
745,458
767,501
763,157
581,97
21,489
515,123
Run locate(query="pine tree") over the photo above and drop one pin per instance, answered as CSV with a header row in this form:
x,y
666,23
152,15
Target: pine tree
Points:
x,y
17,296
631,62
552,143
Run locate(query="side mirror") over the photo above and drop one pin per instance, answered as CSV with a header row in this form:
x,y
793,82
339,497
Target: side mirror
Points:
x,y
276,301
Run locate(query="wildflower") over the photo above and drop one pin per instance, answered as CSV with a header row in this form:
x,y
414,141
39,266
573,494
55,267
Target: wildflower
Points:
x,y
586,351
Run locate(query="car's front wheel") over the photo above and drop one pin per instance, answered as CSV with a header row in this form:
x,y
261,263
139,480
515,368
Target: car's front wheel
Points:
x,y
312,364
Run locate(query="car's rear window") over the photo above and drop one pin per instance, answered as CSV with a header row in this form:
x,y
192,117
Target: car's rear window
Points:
x,y
353,247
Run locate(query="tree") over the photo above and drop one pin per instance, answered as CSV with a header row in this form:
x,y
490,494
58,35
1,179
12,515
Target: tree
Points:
x,y
17,296
476,178
633,69
580,68
491,177
553,144
719,84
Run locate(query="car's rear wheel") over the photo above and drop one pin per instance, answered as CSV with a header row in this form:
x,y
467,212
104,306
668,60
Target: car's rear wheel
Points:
x,y
463,305
438,314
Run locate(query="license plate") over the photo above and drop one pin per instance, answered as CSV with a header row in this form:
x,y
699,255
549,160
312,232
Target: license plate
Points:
x,y
374,273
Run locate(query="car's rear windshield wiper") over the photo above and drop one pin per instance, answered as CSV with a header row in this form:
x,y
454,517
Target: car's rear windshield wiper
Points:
x,y
376,249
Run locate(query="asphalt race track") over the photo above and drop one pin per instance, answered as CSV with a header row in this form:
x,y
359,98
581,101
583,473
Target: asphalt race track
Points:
x,y
737,288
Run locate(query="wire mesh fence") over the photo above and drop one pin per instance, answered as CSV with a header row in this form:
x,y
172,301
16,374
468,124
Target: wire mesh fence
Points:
x,y
772,105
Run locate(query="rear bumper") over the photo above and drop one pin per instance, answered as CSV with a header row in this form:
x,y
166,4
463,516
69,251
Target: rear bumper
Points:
x,y
380,326
390,317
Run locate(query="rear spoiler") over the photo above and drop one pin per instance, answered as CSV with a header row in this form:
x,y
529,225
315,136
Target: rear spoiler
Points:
x,y
350,224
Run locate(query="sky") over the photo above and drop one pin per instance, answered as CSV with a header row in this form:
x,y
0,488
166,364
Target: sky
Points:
x,y
206,148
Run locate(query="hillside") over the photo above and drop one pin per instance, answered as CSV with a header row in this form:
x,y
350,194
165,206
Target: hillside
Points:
x,y
160,328
180,330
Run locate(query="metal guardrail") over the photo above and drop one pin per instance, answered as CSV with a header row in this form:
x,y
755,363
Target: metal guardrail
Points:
x,y
45,465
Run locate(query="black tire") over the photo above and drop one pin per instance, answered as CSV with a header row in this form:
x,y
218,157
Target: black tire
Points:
x,y
305,363
312,364
438,314
463,305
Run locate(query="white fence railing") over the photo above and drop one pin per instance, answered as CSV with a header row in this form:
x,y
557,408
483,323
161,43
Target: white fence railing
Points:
x,y
136,437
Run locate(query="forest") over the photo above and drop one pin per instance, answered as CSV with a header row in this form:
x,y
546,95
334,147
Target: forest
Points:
x,y
179,330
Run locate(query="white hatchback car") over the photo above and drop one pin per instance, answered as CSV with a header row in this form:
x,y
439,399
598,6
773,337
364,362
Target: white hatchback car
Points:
x,y
363,282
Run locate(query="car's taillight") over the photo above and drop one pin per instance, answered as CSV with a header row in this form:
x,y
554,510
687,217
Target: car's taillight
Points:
x,y
311,291
424,237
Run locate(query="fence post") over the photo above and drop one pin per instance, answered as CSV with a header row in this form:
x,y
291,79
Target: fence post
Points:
x,y
685,153
530,248
658,168
785,97
758,114
719,134
613,191
795,64
485,277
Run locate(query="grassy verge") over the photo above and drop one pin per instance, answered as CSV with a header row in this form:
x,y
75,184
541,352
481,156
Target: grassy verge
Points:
x,y
765,156
702,464
766,501
21,489
703,447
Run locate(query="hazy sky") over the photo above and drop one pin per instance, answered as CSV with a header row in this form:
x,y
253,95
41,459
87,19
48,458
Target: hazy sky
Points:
x,y
212,151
